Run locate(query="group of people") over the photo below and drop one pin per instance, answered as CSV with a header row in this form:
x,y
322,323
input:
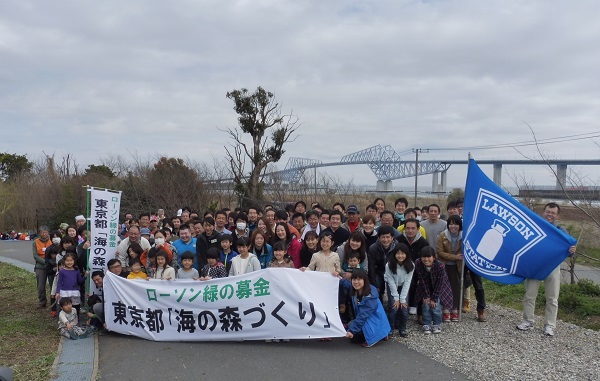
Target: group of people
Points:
x,y
411,254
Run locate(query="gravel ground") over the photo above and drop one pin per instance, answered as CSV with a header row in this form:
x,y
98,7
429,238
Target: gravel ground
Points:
x,y
496,350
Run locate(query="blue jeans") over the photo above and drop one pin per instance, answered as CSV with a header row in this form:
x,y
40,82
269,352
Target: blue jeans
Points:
x,y
432,314
394,315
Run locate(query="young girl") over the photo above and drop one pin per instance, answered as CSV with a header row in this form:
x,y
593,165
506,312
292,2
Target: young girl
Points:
x,y
244,262
370,324
69,280
309,247
398,276
281,259
325,260
282,233
163,270
260,248
433,289
214,268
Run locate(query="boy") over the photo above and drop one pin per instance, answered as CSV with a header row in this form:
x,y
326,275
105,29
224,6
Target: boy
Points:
x,y
227,254
214,268
68,321
352,263
187,271
433,289
136,270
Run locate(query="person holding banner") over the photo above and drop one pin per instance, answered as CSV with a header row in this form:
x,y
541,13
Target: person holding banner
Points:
x,y
370,324
551,284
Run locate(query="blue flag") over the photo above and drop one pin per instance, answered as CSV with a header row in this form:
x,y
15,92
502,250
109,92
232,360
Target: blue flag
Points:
x,y
503,240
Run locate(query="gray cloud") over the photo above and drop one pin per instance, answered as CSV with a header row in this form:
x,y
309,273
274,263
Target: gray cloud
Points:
x,y
110,77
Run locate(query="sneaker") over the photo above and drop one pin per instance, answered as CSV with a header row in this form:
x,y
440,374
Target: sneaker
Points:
x,y
446,318
548,330
454,317
525,325
426,330
403,334
412,311
436,329
367,345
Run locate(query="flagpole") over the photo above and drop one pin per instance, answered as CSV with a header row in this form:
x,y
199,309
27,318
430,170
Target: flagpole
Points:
x,y
462,275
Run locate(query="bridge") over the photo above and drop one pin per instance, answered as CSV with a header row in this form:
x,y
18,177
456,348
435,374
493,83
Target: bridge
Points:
x,y
387,165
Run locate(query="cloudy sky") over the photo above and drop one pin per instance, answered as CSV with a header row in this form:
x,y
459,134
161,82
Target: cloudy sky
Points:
x,y
102,78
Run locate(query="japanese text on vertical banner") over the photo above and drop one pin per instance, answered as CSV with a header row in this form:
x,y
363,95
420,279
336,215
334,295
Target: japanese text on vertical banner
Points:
x,y
104,229
266,304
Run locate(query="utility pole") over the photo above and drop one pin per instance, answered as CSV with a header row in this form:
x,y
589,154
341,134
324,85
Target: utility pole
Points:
x,y
417,151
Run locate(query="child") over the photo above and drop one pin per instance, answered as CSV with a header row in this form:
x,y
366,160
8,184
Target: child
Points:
x,y
68,321
370,324
136,269
352,262
226,253
51,270
69,280
245,262
187,271
325,260
280,257
163,270
398,276
151,263
433,289
214,268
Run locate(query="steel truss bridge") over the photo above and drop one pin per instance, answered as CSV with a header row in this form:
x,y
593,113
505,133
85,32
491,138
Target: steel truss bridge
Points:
x,y
387,165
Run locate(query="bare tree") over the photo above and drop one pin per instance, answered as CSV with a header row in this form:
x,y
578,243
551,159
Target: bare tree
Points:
x,y
259,114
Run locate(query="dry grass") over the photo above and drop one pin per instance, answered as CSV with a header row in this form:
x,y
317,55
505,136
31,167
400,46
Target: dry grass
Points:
x,y
28,335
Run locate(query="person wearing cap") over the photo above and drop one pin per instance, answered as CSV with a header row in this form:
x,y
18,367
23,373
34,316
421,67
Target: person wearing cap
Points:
x,y
40,245
353,220
135,235
79,220
153,224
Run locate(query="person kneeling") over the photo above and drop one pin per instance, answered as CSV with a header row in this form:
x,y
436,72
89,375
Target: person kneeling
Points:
x,y
371,324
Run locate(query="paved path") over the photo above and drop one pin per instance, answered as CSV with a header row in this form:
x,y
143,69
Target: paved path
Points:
x,y
131,358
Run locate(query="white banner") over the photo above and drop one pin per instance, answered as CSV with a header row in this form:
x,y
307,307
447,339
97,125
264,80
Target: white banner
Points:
x,y
266,304
104,230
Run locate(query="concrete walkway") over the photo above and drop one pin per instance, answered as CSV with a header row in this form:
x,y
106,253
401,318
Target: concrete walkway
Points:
x,y
77,360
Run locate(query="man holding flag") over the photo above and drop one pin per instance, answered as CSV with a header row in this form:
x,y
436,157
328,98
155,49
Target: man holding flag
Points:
x,y
551,284
506,242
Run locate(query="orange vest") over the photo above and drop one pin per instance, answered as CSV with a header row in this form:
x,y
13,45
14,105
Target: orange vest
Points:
x,y
40,247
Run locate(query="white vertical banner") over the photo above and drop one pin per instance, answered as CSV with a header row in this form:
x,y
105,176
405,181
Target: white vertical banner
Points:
x,y
104,230
266,304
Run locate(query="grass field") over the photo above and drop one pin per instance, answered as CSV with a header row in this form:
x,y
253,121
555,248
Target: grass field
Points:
x,y
28,335
578,303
